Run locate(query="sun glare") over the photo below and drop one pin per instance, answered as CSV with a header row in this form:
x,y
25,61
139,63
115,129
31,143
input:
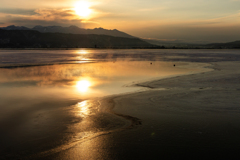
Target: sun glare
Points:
x,y
83,85
82,8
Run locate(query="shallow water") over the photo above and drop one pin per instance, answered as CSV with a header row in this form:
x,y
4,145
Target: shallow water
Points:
x,y
16,58
46,106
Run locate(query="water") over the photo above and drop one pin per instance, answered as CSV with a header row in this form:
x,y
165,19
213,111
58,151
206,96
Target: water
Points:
x,y
52,98
15,58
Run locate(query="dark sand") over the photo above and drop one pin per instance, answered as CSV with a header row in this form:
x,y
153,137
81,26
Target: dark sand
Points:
x,y
196,117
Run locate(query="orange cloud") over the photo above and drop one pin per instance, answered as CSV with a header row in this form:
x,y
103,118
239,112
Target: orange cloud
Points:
x,y
54,14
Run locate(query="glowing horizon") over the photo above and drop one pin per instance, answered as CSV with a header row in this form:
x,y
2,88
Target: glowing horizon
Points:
x,y
202,20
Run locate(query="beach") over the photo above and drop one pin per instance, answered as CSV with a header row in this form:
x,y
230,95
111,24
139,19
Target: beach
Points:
x,y
119,80
193,115
196,117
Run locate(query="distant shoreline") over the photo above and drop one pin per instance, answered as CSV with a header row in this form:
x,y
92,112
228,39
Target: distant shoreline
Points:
x,y
117,48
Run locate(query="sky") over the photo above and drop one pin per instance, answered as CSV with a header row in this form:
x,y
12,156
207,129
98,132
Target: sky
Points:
x,y
198,21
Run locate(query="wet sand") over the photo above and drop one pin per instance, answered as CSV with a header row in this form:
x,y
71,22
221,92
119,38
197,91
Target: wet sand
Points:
x,y
196,116
193,116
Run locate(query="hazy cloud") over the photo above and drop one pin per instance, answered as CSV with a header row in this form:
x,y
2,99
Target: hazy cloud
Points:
x,y
41,16
111,16
191,33
17,11
229,20
26,4
55,14
32,23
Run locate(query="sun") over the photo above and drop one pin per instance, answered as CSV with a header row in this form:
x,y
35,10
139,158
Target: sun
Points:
x,y
82,8
83,85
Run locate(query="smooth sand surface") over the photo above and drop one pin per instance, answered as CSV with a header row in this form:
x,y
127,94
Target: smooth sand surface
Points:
x,y
196,117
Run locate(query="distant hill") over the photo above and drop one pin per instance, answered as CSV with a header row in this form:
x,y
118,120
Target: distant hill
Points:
x,y
184,45
177,43
71,29
229,45
36,39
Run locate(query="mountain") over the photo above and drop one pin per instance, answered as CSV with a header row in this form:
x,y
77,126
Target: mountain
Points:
x,y
36,39
77,30
13,27
71,29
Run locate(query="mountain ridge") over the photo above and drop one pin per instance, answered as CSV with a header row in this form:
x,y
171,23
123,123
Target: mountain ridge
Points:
x,y
115,33
36,39
71,29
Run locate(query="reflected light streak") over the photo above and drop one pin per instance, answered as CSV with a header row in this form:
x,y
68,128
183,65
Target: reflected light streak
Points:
x,y
82,58
83,52
84,110
83,85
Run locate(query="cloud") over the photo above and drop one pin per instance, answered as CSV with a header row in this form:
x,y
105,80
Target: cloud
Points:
x,y
190,33
34,22
41,16
17,11
229,20
55,13
46,16
110,16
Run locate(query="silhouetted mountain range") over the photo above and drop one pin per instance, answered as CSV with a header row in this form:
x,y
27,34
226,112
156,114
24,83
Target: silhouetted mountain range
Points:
x,y
73,36
35,39
71,29
12,27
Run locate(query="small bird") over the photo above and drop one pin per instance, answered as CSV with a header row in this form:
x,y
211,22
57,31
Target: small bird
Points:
x,y
151,63
174,65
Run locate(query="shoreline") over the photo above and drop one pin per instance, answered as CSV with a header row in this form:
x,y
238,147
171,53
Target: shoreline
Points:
x,y
158,84
125,48
135,121
205,68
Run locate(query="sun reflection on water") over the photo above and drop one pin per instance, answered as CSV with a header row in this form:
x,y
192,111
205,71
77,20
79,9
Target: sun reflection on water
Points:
x,y
83,108
82,58
82,51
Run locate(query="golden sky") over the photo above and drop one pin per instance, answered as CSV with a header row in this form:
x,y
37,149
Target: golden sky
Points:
x,y
190,20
